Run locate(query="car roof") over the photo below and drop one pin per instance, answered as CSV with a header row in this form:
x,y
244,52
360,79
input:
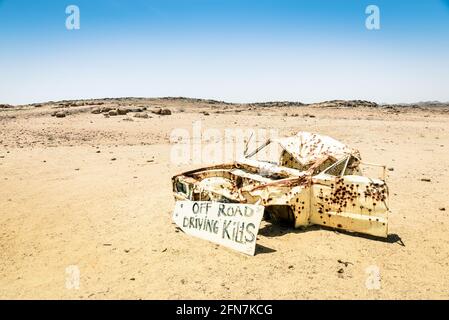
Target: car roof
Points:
x,y
308,148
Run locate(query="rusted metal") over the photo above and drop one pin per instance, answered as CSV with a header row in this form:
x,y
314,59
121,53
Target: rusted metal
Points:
x,y
317,180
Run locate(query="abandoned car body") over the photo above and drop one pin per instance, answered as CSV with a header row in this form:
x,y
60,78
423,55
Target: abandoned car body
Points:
x,y
312,180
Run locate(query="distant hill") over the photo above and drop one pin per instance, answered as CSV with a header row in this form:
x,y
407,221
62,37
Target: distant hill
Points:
x,y
210,102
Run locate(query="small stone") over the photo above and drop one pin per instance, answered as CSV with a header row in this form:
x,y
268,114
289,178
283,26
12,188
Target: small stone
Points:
x,y
96,110
341,270
426,180
442,209
143,115
60,114
346,263
113,113
165,112
113,159
390,169
105,109
122,111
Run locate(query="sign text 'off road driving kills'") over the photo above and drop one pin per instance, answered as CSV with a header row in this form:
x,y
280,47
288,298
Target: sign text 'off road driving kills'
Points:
x,y
232,225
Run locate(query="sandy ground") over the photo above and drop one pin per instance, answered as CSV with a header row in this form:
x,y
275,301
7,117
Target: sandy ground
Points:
x,y
65,202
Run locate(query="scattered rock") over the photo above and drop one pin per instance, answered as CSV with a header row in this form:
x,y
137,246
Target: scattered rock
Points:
x,y
105,109
346,263
96,111
309,115
128,119
442,209
143,115
136,109
206,113
60,114
132,279
341,270
162,112
426,180
113,159
390,169
113,113
122,111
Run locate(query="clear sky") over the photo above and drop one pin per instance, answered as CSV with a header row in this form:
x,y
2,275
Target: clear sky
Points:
x,y
233,50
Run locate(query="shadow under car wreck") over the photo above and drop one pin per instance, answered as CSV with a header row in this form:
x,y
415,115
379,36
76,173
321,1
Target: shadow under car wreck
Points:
x,y
281,229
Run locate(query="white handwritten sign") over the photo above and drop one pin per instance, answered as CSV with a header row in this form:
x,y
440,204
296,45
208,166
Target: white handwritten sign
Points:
x,y
229,224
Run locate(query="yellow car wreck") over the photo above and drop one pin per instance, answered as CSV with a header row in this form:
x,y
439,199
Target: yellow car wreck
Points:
x,y
306,179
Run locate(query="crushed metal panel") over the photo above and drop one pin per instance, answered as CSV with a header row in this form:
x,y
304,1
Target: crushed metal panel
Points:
x,y
352,203
231,225
307,148
317,181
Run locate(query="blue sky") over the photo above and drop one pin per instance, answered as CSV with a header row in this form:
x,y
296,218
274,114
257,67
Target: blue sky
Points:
x,y
233,50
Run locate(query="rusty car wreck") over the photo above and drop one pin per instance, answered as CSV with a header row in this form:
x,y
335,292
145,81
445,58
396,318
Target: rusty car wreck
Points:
x,y
308,179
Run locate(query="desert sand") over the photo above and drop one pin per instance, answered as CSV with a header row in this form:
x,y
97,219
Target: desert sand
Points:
x,y
94,192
